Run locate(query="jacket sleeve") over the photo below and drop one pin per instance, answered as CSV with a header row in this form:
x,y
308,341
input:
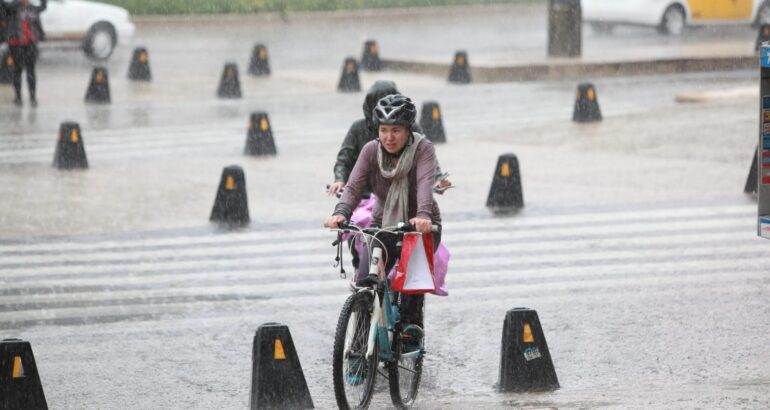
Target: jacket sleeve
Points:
x,y
346,157
426,178
357,183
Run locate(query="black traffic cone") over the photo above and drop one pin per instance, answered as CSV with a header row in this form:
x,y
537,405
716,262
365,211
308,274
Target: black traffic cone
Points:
x,y
506,195
99,88
753,179
586,104
70,149
277,380
370,58
460,73
349,81
20,386
525,362
259,139
259,64
431,123
229,85
139,70
231,205
763,35
6,68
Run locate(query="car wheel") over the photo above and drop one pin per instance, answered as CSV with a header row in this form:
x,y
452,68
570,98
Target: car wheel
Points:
x,y
100,41
602,28
673,21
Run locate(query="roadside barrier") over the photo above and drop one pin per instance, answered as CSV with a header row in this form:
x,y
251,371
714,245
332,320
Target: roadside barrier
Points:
x,y
460,73
431,123
229,85
20,386
370,58
70,150
525,362
505,195
564,28
259,138
139,70
259,64
753,179
231,205
277,380
99,87
349,81
586,104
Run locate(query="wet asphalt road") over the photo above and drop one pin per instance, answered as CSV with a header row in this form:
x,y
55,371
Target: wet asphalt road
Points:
x,y
636,246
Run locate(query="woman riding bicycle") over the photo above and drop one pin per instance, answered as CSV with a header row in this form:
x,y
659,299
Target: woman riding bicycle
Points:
x,y
399,168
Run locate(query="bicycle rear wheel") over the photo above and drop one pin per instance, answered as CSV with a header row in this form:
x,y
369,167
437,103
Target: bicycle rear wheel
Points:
x,y
354,375
404,374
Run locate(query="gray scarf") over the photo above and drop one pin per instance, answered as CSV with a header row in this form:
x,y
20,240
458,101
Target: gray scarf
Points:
x,y
396,207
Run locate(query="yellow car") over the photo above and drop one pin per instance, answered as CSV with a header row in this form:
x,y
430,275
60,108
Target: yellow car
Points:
x,y
672,16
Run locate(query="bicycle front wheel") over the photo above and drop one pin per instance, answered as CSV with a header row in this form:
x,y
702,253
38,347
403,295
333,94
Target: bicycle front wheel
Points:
x,y
354,374
404,374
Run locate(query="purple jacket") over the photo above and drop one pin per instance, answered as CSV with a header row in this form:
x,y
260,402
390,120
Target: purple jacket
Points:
x,y
366,175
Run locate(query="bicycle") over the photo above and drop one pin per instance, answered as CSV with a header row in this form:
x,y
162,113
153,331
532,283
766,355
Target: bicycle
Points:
x,y
369,331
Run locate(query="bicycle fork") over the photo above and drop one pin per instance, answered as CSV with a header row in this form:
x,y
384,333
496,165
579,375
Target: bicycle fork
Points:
x,y
377,313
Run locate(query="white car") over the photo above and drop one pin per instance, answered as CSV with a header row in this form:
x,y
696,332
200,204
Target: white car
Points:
x,y
672,16
96,27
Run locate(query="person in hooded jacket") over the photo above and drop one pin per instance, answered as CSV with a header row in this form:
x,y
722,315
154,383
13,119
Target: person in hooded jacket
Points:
x,y
23,31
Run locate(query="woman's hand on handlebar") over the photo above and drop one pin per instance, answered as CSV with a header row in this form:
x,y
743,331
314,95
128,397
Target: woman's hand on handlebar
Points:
x,y
421,225
334,221
335,187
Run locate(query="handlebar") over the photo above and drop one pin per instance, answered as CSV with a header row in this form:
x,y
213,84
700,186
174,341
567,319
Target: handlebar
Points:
x,y
401,227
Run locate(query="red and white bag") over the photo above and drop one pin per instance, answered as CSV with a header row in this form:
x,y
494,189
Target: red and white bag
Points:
x,y
414,272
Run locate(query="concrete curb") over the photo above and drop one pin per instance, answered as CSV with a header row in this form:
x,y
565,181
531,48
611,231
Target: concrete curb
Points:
x,y
335,15
579,70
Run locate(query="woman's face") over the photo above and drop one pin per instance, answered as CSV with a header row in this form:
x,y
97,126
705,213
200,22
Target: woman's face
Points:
x,y
393,137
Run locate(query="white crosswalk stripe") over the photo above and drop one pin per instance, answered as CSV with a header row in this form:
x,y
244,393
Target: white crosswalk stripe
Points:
x,y
111,278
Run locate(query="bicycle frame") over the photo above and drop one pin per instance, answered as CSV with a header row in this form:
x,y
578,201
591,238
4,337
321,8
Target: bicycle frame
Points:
x,y
385,315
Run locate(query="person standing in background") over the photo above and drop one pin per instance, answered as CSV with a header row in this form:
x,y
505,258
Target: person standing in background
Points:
x,y
24,30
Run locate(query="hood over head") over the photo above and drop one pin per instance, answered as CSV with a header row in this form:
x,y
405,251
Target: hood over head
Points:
x,y
378,90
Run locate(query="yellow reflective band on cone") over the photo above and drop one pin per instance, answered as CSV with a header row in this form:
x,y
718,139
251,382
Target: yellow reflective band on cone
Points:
x,y
505,170
528,338
262,54
74,136
435,114
99,77
263,125
590,94
279,354
18,369
230,183
143,58
9,61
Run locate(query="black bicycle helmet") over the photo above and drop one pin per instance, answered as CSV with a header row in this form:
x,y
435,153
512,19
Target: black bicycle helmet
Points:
x,y
395,109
